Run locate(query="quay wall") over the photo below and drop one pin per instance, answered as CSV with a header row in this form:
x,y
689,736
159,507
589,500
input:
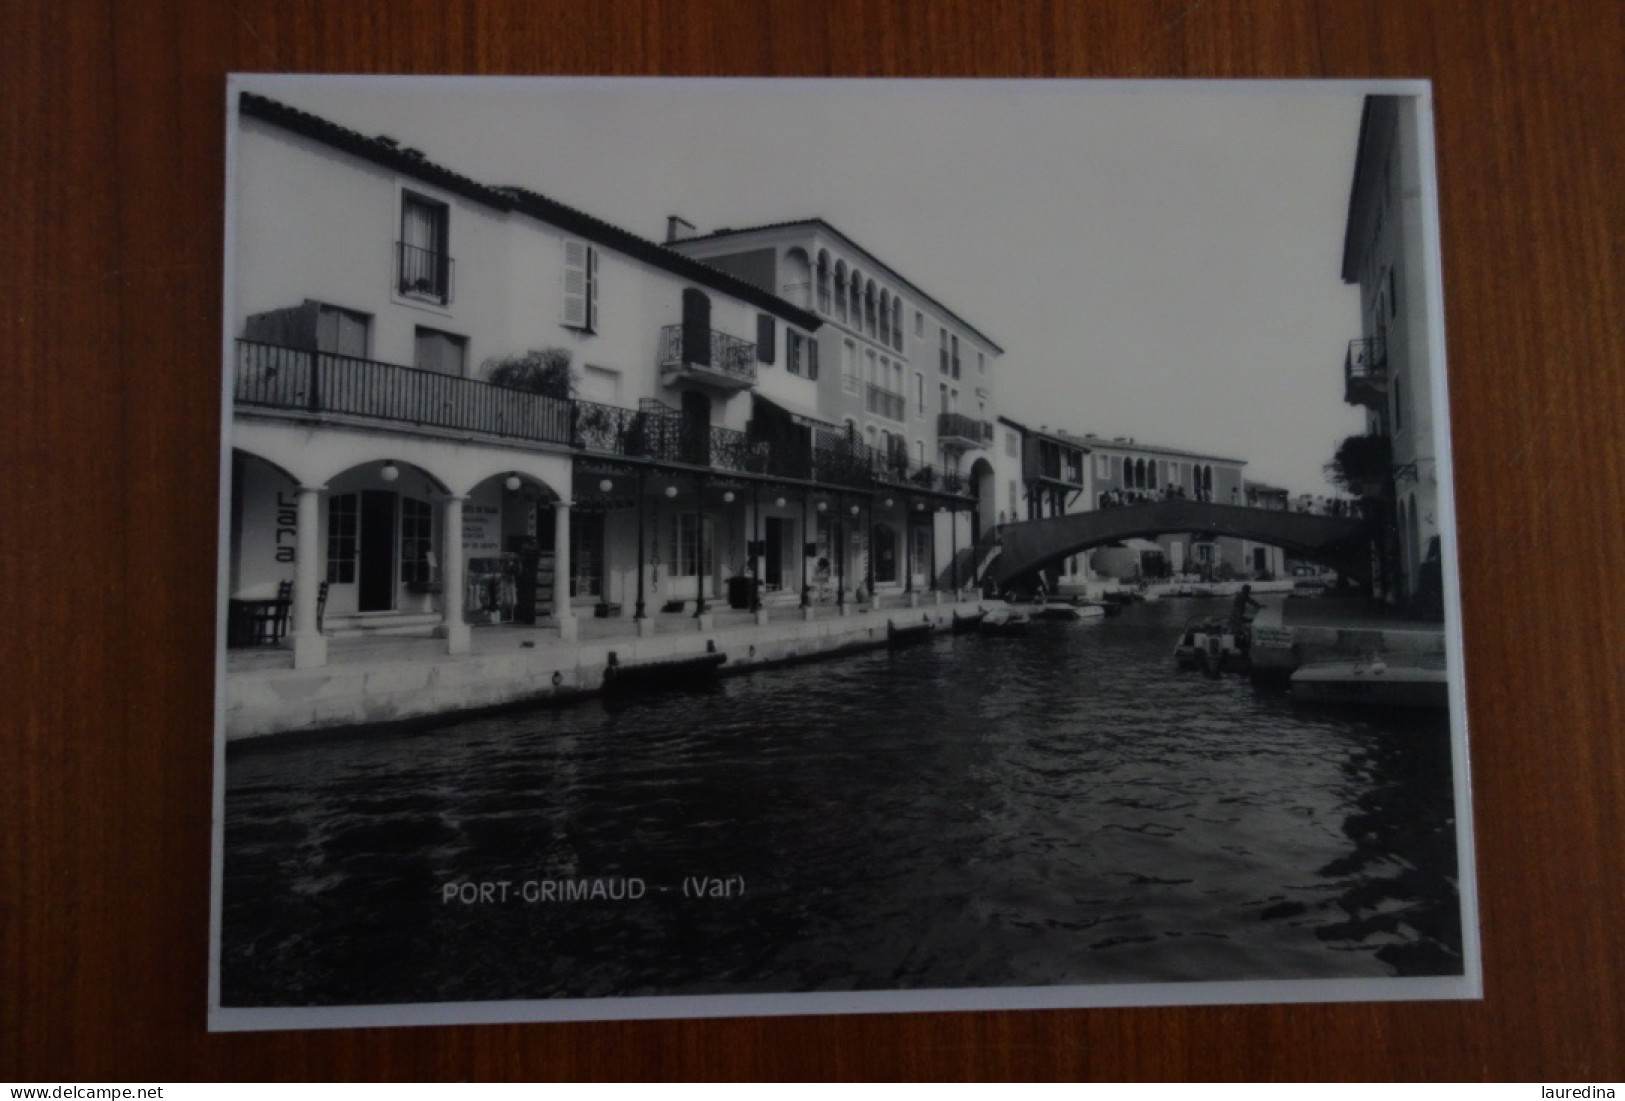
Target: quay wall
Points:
x,y
280,701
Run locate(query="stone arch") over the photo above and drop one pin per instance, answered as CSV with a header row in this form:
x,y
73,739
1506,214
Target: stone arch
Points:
x,y
985,488
795,286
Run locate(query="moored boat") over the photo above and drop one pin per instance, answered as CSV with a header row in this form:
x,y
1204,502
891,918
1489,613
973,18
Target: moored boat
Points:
x,y
965,624
1372,682
663,676
907,633
1004,624
1066,610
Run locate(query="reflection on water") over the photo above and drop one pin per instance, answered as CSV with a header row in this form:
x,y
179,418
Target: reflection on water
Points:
x,y
1061,808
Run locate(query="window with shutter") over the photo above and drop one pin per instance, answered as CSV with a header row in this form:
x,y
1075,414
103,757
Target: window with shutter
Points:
x,y
580,286
812,359
766,342
442,353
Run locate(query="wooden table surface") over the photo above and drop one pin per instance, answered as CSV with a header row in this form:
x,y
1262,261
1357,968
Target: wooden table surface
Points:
x,y
111,161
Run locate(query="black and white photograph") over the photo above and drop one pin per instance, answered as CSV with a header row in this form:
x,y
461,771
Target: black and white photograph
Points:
x,y
717,547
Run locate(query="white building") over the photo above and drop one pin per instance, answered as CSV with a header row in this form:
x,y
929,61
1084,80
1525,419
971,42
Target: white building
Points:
x,y
909,377
380,484
1387,370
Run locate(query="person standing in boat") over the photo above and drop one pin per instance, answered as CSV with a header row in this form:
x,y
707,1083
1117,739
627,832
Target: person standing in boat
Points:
x,y
1238,610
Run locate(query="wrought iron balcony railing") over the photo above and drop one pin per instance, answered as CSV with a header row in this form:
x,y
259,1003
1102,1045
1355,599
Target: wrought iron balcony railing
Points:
x,y
1365,371
275,376
423,273
960,429
725,359
304,381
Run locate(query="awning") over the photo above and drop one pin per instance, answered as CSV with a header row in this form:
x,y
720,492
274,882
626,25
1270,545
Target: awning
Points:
x,y
800,414
1143,545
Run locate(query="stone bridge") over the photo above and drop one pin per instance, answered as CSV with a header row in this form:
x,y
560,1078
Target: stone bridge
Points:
x,y
1341,542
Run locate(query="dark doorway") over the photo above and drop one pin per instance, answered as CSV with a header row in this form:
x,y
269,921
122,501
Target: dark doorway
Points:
x,y
376,581
774,552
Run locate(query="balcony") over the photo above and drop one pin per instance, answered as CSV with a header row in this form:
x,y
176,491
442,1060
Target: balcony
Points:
x,y
423,273
885,403
1365,372
302,380
963,432
314,384
706,357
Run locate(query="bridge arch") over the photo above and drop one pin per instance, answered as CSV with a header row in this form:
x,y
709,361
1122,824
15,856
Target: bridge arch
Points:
x,y
1341,542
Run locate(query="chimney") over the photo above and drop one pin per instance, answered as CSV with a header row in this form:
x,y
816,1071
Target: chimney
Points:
x,y
678,229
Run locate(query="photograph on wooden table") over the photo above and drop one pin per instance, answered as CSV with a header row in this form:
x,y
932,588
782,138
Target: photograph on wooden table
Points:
x,y
733,547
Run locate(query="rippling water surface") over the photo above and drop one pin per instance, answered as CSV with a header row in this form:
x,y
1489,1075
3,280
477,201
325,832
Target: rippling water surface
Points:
x,y
1062,808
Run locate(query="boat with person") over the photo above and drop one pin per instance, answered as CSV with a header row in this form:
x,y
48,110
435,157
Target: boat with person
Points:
x,y
1210,643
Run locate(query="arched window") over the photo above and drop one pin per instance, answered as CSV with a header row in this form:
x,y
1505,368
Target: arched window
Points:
x,y
885,318
795,285
840,290
855,292
1151,475
1139,473
897,323
823,281
869,307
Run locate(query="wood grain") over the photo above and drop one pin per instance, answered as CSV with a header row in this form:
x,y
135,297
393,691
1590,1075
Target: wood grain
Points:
x,y
111,157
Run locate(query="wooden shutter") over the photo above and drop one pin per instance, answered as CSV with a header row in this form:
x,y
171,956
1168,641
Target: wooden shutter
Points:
x,y
696,327
812,359
580,285
766,338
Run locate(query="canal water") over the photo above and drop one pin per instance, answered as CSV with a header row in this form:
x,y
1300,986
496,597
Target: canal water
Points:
x,y
1058,809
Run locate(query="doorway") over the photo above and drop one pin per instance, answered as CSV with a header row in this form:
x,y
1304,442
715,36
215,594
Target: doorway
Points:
x,y
773,552
375,589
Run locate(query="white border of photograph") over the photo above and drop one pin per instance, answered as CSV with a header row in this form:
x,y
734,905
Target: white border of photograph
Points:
x,y
1467,985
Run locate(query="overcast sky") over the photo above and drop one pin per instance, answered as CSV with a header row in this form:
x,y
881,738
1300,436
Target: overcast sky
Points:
x,y
1158,261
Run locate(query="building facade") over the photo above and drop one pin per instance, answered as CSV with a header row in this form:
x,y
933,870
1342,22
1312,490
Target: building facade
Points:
x,y
1387,369
661,446
904,374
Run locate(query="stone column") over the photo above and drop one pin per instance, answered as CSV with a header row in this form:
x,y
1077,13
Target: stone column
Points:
x,y
309,644
453,623
562,615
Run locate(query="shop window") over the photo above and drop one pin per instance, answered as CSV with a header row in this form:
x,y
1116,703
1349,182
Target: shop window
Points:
x,y
586,554
885,564
686,530
343,527
417,553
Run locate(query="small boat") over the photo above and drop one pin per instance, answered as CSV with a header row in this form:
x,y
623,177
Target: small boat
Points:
x,y
1208,643
966,624
675,674
908,633
1064,610
1371,681
1004,624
